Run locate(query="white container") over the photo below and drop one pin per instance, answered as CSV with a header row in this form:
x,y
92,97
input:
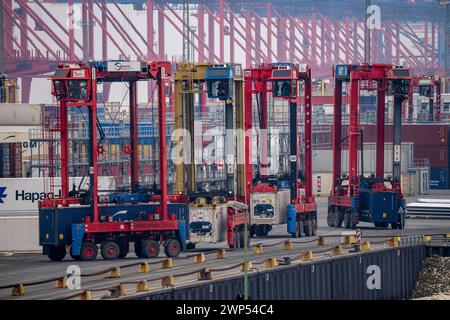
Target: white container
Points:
x,y
19,234
20,114
207,223
269,207
23,194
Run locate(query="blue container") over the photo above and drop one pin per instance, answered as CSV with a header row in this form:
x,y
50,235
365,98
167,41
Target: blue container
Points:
x,y
55,225
291,219
439,178
367,103
379,206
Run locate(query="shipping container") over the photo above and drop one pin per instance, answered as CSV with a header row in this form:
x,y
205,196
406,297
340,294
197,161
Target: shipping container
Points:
x,y
439,178
323,159
55,224
207,223
409,183
20,114
430,140
11,160
22,194
269,207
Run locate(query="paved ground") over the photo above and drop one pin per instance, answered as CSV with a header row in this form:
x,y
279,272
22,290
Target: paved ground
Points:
x,y
16,268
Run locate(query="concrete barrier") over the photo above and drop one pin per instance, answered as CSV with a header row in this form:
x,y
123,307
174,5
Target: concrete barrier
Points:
x,y
19,234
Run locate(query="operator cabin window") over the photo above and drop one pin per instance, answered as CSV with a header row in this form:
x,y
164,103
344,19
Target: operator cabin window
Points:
x,y
219,88
424,106
60,89
77,89
446,106
282,88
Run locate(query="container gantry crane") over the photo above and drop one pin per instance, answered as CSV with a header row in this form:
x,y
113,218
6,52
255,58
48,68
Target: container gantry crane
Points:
x,y
80,221
269,203
209,216
426,86
355,197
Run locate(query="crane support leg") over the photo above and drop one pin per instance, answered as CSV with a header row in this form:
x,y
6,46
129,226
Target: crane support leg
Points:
x,y
229,145
308,138
397,138
162,147
190,124
64,150
264,127
293,148
337,131
381,95
354,134
179,166
93,187
134,143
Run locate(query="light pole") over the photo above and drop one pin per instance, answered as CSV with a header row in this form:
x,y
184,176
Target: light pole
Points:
x,y
246,256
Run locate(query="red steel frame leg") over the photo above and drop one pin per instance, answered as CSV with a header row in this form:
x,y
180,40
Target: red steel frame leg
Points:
x,y
162,147
381,94
93,170
64,150
337,132
354,134
264,128
248,136
438,100
134,142
308,138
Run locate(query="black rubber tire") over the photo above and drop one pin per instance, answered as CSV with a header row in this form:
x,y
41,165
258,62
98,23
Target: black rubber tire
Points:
x,y
353,219
347,219
300,228
242,239
190,246
57,253
172,248
262,230
237,237
235,244
124,249
314,227
330,214
110,250
252,232
341,217
138,249
150,248
88,251
308,227
336,219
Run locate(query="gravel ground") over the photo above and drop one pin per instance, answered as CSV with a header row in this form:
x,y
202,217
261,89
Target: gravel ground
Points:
x,y
434,280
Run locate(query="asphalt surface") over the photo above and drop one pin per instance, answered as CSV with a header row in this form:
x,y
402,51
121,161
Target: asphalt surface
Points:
x,y
24,268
